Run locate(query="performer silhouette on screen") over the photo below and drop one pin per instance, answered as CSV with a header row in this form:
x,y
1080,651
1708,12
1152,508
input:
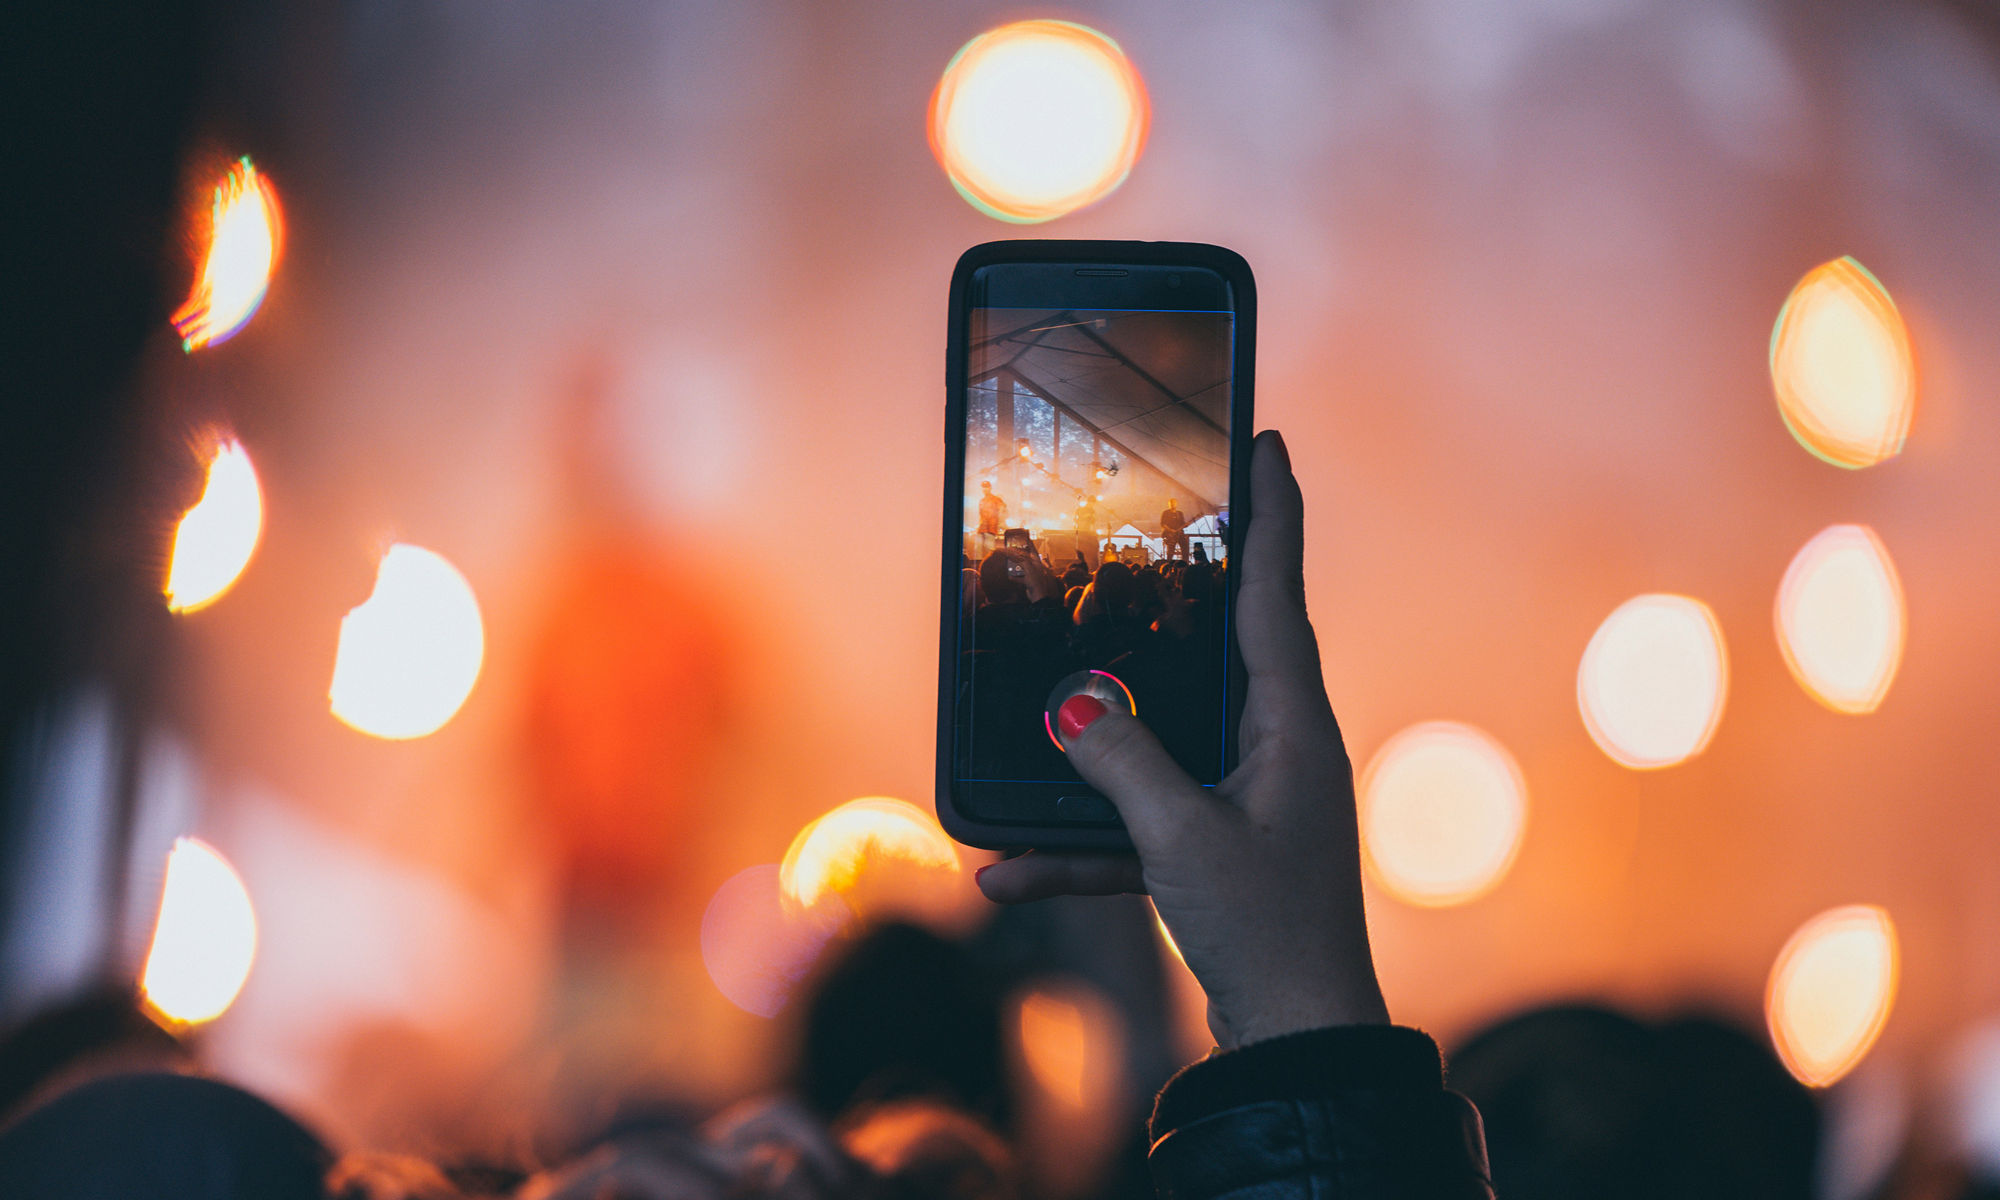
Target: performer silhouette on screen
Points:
x,y
1173,529
1086,530
992,518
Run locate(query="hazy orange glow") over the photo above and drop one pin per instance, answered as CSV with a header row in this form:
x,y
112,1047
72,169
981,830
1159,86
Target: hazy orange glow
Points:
x,y
1443,808
205,939
1831,991
245,237
757,946
1072,1041
1038,118
1653,681
1840,619
410,653
1842,368
875,854
216,537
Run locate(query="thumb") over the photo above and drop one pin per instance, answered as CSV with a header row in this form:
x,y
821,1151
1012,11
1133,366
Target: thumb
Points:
x,y
1118,755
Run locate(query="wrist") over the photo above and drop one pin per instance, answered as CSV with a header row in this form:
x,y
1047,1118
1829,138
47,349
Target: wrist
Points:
x,y
1276,1016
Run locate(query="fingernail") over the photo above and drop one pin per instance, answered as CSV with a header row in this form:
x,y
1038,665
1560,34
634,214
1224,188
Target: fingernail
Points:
x,y
1284,454
1077,713
981,871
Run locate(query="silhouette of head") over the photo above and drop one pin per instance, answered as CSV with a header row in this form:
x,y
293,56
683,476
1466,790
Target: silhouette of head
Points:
x,y
904,1015
1582,1101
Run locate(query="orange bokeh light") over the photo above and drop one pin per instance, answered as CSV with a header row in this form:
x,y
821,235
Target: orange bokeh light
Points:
x,y
1653,681
1841,620
409,654
1831,990
875,855
1442,811
246,234
1038,118
215,538
1842,367
204,941
1072,1041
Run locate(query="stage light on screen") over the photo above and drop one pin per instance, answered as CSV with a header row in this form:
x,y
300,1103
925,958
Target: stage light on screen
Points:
x,y
246,233
1842,367
1831,990
216,538
1443,808
1038,118
875,856
1653,681
204,941
1073,1043
1841,620
757,945
409,654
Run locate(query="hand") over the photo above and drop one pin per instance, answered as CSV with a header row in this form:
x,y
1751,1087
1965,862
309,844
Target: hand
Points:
x,y
1259,879
1037,578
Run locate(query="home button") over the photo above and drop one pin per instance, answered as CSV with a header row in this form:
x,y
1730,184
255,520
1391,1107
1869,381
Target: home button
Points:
x,y
1085,808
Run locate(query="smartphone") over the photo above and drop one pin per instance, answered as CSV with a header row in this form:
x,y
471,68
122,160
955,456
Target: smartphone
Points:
x,y
1097,397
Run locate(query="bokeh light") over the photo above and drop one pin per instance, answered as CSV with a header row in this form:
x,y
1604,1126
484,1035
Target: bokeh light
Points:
x,y
1842,367
1038,118
410,653
245,237
1073,1044
756,945
1841,620
216,538
1653,681
1831,991
204,941
875,856
1443,808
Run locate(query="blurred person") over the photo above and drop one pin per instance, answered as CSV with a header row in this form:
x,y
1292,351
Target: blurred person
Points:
x,y
968,593
1173,529
1582,1101
925,1151
1088,525
1311,1092
1111,594
776,1150
101,1033
903,1014
171,1136
992,517
1072,598
1077,573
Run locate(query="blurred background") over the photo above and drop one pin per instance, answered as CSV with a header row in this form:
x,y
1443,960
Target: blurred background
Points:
x,y
600,353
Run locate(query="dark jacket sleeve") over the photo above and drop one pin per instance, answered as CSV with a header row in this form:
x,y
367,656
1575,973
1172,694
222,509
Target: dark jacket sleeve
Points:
x,y
1332,1114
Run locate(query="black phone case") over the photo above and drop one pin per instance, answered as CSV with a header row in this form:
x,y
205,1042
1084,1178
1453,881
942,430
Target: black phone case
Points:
x,y
1231,266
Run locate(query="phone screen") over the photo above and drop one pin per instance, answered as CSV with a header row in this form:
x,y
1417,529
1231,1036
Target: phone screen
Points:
x,y
1102,434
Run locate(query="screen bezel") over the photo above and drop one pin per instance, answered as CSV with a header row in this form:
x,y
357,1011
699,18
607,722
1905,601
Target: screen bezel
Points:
x,y
1032,274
